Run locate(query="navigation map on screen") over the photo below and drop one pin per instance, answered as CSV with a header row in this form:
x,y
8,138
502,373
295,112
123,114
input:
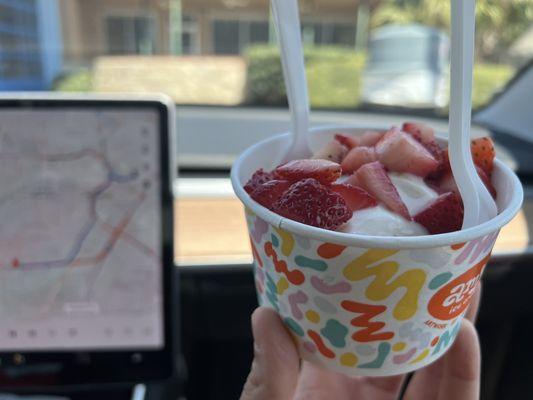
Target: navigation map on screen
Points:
x,y
80,229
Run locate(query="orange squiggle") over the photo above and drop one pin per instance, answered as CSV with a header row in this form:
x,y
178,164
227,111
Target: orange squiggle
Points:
x,y
295,277
371,329
256,254
321,346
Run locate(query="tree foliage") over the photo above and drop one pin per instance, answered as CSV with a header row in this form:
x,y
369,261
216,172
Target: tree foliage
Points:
x,y
498,22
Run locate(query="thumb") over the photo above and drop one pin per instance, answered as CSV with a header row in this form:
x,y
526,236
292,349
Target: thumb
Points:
x,y
276,363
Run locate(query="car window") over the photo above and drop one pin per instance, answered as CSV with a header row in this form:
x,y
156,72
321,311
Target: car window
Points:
x,y
219,61
205,52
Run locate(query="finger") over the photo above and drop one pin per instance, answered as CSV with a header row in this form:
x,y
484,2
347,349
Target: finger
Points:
x,y
473,308
388,387
426,382
276,364
317,384
462,366
321,384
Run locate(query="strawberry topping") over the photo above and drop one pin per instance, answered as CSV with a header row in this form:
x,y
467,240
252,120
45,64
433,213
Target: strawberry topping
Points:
x,y
311,203
259,178
349,141
324,171
333,151
356,157
355,197
483,154
370,138
444,214
399,152
269,192
374,179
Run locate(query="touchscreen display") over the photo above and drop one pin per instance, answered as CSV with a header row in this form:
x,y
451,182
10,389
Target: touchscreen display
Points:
x,y
80,229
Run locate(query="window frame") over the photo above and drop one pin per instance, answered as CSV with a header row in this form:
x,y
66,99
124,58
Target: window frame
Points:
x,y
126,13
227,16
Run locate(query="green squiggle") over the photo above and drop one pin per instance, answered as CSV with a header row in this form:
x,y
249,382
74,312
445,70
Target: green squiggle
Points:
x,y
317,265
335,332
293,325
383,352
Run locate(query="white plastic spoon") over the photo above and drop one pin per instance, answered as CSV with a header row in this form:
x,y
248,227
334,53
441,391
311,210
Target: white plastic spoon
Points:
x,y
479,205
287,22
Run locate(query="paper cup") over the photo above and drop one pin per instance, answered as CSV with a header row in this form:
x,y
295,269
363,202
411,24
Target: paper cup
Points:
x,y
366,305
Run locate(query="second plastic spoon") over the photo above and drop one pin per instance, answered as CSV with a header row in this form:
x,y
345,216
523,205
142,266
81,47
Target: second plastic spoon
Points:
x,y
287,22
478,203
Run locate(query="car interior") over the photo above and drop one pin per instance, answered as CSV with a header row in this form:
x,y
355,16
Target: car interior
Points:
x,y
126,264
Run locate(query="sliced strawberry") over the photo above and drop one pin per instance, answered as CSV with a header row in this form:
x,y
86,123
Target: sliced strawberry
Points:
x,y
426,135
311,203
324,171
259,178
483,153
436,151
447,183
421,132
444,214
446,160
374,179
370,138
486,180
349,141
352,180
333,151
441,155
355,197
356,157
268,193
399,152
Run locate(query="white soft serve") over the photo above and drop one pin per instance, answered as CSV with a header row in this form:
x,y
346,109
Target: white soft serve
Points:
x,y
413,190
380,221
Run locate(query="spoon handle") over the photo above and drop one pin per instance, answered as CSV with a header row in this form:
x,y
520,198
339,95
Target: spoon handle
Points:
x,y
287,22
462,59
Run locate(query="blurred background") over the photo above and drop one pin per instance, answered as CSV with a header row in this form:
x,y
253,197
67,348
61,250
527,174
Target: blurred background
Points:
x,y
360,53
369,62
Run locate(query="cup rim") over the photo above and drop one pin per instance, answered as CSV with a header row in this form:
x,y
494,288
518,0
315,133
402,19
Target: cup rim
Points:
x,y
360,240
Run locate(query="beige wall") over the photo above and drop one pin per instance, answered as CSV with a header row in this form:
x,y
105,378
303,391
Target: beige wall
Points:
x,y
84,30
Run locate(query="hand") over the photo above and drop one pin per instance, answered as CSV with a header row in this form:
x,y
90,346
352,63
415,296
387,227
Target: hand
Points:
x,y
276,373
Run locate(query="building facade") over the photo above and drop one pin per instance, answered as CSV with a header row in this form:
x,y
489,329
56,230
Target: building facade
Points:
x,y
30,44
219,27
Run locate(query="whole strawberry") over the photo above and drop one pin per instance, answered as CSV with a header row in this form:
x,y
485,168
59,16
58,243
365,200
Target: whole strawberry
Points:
x,y
309,202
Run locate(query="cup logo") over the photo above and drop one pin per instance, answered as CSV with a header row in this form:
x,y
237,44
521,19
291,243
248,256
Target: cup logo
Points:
x,y
453,298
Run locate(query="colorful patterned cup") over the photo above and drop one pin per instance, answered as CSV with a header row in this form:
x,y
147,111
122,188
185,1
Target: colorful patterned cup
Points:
x,y
366,305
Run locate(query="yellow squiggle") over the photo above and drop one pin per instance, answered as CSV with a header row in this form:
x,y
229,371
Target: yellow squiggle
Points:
x,y
382,286
420,357
282,285
287,242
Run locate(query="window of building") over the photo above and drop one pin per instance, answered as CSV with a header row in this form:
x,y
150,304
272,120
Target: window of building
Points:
x,y
19,42
234,36
190,40
130,34
329,33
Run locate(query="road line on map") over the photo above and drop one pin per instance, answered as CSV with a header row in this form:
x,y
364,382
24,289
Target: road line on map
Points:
x,y
112,176
117,232
128,237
